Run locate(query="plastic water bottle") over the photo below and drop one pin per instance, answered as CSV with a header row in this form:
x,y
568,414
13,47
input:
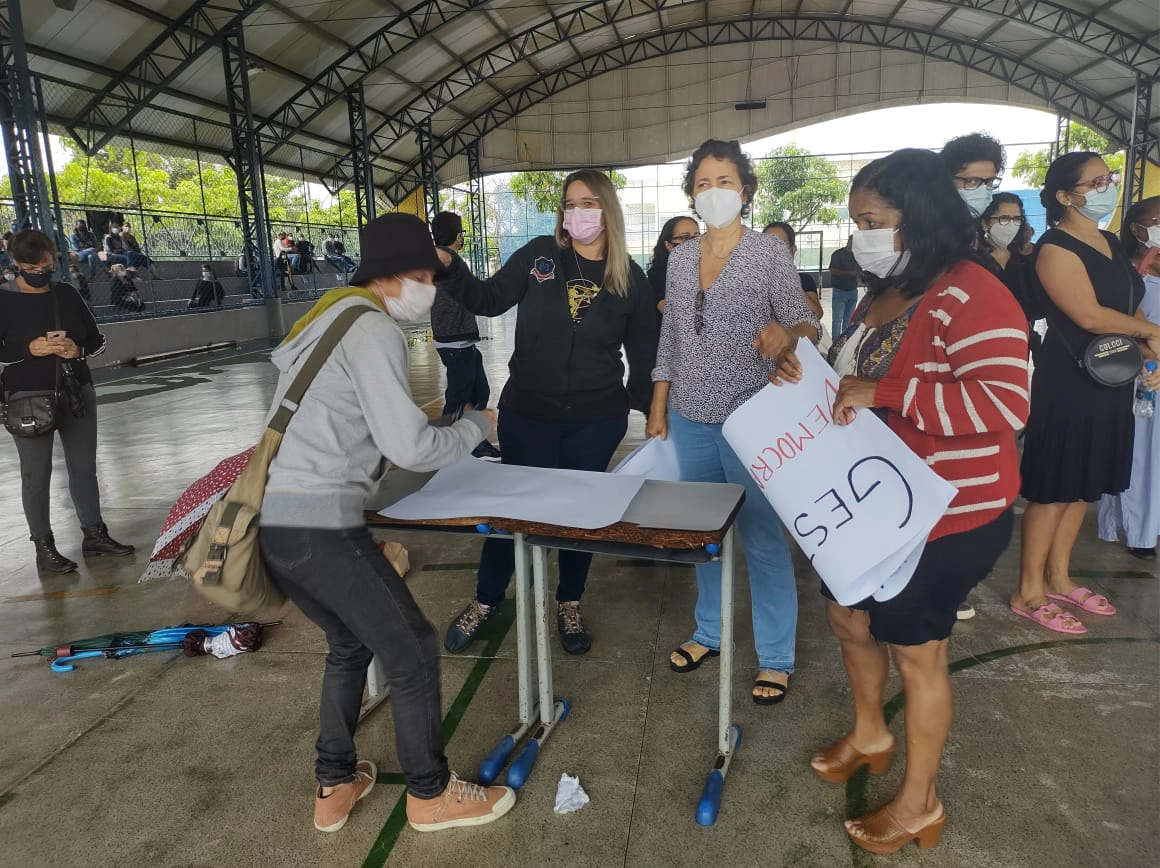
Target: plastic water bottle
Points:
x,y
1145,405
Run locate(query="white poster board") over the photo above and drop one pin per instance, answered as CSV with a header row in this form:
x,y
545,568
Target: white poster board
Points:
x,y
653,459
472,488
856,499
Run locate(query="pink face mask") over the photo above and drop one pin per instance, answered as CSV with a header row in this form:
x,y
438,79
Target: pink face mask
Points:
x,y
584,224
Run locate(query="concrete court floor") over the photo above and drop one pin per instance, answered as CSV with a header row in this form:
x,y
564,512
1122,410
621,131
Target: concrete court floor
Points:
x,y
162,761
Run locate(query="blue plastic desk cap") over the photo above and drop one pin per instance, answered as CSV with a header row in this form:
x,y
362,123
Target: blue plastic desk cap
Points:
x,y
712,548
484,529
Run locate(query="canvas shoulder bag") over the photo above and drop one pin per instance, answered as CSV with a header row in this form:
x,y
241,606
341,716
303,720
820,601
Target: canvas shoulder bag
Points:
x,y
33,414
224,560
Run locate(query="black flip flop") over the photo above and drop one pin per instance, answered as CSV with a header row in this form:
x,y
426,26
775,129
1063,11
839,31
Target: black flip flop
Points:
x,y
772,685
691,662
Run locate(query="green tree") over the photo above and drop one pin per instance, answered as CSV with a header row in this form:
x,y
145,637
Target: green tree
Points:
x,y
543,188
1031,166
798,187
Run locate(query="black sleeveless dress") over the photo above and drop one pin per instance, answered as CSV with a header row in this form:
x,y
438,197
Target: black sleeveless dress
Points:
x,y
1078,444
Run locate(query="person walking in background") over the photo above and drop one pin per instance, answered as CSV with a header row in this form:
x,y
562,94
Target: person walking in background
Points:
x,y
85,245
939,348
580,299
320,554
1136,511
788,236
844,277
44,327
1079,439
676,231
456,334
734,301
975,163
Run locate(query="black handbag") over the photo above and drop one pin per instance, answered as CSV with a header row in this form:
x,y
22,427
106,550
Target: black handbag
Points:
x,y
33,414
1111,360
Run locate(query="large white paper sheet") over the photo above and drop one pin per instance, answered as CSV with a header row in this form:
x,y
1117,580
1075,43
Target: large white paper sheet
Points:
x,y
856,499
653,459
472,488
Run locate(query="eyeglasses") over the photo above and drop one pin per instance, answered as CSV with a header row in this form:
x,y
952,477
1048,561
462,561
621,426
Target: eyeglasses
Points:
x,y
976,183
1098,185
1006,220
699,312
587,204
681,239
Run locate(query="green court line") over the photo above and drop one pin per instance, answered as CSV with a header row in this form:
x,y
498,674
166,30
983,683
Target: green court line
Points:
x,y
433,568
493,633
856,787
1112,574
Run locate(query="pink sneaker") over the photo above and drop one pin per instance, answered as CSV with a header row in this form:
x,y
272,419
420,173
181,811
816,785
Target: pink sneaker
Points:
x,y
460,804
333,810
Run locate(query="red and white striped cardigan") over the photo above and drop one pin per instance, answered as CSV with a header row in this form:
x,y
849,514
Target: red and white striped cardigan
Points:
x,y
957,392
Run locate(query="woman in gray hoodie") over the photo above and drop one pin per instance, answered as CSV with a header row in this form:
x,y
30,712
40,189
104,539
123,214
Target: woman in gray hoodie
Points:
x,y
319,552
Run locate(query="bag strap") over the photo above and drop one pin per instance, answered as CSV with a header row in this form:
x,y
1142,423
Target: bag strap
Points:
x,y
56,326
318,356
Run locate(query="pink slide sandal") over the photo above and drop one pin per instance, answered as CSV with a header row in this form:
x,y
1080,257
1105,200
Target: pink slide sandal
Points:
x,y
1088,600
1052,618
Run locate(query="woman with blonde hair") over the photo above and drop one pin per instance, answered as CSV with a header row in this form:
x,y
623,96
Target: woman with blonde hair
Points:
x,y
581,298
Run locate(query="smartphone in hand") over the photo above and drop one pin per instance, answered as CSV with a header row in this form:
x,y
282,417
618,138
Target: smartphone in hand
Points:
x,y
56,335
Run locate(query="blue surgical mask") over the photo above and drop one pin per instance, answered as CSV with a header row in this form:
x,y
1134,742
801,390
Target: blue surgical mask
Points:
x,y
1097,206
978,199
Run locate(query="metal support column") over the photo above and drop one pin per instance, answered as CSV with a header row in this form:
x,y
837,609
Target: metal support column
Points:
x,y
247,163
360,155
477,214
20,122
1137,146
427,160
1062,143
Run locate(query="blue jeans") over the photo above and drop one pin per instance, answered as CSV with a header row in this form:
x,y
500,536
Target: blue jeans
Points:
x,y
466,378
89,255
844,302
547,443
705,456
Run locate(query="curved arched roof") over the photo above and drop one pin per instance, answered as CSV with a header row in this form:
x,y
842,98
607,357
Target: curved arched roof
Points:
x,y
542,84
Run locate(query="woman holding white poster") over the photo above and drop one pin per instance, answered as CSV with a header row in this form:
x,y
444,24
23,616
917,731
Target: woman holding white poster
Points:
x,y
733,301
939,348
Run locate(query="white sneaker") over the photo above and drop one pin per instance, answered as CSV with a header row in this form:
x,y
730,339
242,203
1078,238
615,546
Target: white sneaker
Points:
x,y
966,612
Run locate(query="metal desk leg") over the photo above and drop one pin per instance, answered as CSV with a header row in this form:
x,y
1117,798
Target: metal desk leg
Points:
x,y
552,711
494,762
729,733
378,690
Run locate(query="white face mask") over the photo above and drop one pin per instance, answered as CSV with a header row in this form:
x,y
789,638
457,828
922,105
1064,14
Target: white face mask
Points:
x,y
1003,235
978,199
413,301
875,253
1153,236
207,276
719,206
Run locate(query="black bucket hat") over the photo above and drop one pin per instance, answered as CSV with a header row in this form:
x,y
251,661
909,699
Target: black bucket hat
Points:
x,y
394,244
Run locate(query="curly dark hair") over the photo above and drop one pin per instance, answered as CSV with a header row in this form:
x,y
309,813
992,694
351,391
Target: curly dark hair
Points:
x,y
937,227
1023,236
722,150
973,148
1063,174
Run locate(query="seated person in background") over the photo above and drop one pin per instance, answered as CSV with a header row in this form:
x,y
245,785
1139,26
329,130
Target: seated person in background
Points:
x,y
5,259
208,290
809,286
123,292
134,256
84,244
114,248
334,251
305,251
285,251
80,282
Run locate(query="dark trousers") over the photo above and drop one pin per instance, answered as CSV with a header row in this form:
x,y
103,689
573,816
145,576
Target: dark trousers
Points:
x,y
466,378
342,582
541,443
79,438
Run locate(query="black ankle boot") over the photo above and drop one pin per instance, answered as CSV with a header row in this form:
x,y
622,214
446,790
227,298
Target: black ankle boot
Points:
x,y
48,558
98,542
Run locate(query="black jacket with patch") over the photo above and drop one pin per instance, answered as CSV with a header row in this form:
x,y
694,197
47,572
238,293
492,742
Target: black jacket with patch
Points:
x,y
562,369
